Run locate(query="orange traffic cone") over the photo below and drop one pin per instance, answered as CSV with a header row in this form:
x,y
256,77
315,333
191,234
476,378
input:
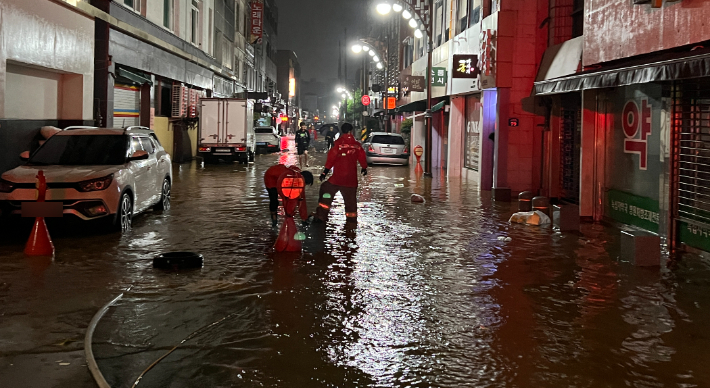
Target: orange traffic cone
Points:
x,y
39,243
287,242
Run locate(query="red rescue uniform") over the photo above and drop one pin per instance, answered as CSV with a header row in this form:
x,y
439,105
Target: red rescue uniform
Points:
x,y
343,159
271,178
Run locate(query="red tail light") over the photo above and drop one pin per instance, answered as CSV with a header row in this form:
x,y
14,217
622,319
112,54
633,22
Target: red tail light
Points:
x,y
406,150
241,148
370,149
204,149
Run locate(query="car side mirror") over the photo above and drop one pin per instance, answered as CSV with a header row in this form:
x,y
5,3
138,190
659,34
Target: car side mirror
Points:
x,y
138,155
25,156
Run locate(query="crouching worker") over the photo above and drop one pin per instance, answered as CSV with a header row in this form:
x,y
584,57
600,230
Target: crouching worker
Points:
x,y
343,159
271,180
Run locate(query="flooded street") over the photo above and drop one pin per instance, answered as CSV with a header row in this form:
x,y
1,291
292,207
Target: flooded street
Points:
x,y
441,294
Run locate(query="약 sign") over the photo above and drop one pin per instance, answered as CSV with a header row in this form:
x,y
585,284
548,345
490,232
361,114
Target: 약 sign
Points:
x,y
365,100
257,22
637,128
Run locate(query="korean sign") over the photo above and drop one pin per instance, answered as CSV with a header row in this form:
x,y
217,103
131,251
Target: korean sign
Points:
x,y
465,66
633,209
637,127
257,22
438,76
416,83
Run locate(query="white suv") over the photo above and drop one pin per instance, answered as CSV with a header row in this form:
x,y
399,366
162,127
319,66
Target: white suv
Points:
x,y
96,173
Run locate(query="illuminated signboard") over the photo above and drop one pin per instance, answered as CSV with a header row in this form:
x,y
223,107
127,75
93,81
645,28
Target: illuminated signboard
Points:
x,y
465,66
292,87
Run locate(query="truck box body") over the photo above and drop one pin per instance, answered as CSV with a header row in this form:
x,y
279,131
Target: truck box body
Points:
x,y
226,129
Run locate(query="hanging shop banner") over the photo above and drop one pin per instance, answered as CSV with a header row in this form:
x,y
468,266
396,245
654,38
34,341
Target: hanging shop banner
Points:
x,y
439,76
257,22
694,235
417,83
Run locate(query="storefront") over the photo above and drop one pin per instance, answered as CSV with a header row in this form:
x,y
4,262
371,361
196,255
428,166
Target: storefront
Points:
x,y
644,159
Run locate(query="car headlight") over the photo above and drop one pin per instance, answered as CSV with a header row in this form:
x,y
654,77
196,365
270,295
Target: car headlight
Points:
x,y
6,186
96,184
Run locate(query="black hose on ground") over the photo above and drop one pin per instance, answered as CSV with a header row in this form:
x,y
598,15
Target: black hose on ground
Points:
x,y
189,337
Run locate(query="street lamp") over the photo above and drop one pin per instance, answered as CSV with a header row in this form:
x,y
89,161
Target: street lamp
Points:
x,y
384,8
357,48
419,12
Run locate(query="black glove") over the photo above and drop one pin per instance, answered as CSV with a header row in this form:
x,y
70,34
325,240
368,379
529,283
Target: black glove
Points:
x,y
304,223
363,172
323,174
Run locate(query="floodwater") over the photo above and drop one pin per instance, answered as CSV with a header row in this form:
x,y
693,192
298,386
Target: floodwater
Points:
x,y
441,294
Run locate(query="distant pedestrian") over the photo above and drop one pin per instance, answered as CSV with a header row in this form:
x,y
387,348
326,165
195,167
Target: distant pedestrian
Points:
x,y
343,158
303,141
329,138
271,179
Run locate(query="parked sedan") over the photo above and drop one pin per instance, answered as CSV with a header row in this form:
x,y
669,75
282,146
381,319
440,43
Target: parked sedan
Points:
x,y
386,148
267,139
95,173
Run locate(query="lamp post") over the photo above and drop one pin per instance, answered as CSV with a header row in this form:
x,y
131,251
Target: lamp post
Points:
x,y
375,54
423,13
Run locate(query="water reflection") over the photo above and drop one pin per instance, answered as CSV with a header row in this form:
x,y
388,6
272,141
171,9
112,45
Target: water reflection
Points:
x,y
428,294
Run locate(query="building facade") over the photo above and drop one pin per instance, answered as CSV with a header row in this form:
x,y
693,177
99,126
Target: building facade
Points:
x,y
46,72
644,117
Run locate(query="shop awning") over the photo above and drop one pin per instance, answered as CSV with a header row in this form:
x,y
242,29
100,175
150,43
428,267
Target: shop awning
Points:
x,y
561,60
134,77
650,68
440,104
415,106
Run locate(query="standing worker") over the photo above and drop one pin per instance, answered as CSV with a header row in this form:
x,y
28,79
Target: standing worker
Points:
x,y
271,178
303,141
343,158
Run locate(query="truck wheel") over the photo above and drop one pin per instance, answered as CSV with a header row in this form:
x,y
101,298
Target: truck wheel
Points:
x,y
251,156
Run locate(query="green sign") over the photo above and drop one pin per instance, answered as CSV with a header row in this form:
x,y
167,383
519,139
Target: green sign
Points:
x,y
633,210
439,76
695,236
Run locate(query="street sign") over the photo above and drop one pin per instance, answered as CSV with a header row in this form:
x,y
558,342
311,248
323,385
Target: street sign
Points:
x,y
418,151
391,102
465,66
365,100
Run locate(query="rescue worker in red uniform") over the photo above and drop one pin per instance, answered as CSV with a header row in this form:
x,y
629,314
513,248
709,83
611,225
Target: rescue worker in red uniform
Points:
x,y
271,178
343,159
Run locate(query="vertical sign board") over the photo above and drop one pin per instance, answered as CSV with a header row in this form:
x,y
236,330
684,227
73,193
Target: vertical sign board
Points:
x,y
439,76
256,30
391,102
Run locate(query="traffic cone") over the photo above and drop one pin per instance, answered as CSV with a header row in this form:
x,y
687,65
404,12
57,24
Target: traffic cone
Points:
x,y
39,243
287,242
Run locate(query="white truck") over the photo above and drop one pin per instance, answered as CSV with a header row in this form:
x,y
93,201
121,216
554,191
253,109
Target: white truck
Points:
x,y
226,130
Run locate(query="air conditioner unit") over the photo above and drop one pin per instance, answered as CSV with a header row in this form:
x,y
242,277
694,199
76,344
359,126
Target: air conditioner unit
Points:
x,y
180,100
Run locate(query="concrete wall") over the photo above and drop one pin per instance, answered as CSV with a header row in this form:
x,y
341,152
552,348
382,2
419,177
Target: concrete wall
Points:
x,y
51,38
49,50
615,29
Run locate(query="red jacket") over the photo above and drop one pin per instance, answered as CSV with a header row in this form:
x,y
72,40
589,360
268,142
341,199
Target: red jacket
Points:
x,y
343,159
271,180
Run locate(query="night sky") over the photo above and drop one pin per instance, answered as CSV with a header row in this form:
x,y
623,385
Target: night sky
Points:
x,y
312,28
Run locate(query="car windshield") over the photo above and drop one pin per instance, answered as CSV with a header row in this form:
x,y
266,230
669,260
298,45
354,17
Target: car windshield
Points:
x,y
387,139
263,130
82,150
